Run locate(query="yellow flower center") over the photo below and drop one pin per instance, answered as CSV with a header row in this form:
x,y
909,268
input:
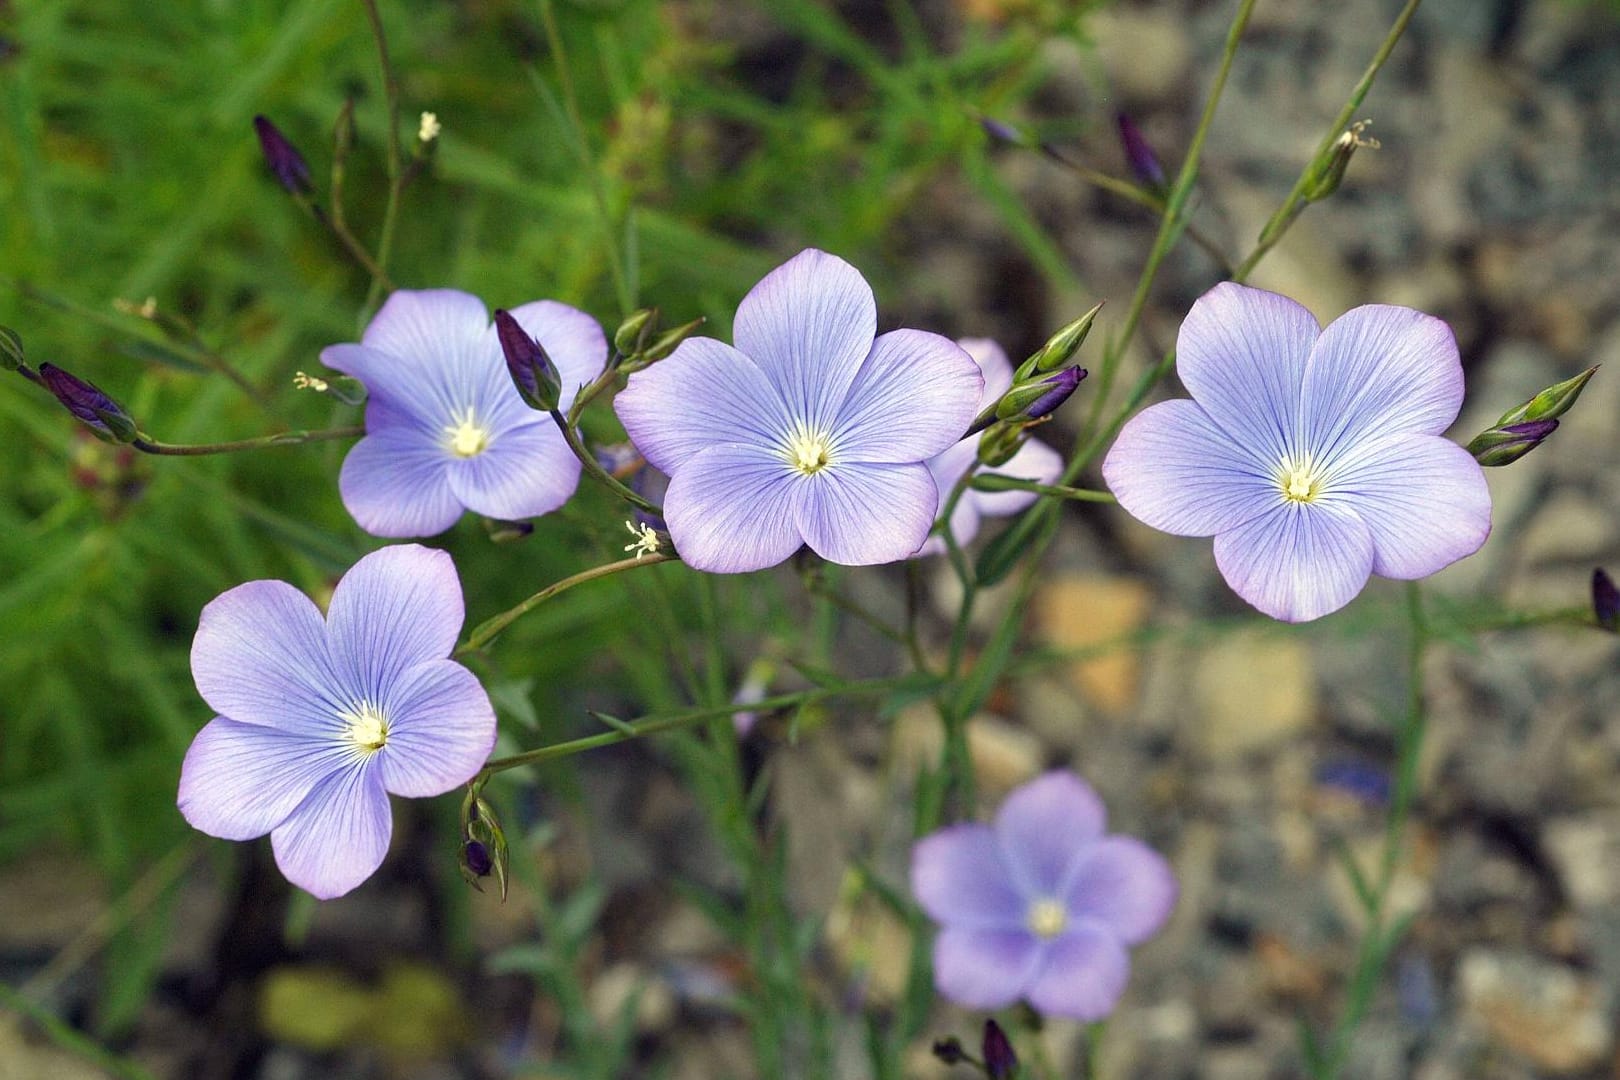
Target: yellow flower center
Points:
x,y
808,451
1300,483
467,438
365,729
1047,918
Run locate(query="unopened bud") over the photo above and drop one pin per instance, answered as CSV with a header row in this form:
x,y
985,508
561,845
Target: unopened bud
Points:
x,y
107,419
950,1050
1139,155
483,846
1003,131
1605,601
532,371
665,343
1059,348
11,349
1000,442
1505,444
477,860
1327,172
286,163
1000,1062
631,336
1552,402
1036,400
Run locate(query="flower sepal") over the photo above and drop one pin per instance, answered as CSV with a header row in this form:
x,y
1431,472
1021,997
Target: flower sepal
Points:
x,y
1039,398
484,850
1552,402
1059,348
1505,444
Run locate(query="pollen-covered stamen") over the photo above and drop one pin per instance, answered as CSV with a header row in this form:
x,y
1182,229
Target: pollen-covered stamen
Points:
x,y
466,437
1047,918
1300,483
808,451
365,729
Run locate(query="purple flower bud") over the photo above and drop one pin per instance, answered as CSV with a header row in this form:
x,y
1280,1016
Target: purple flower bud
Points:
x,y
1034,400
1505,444
1002,131
1144,163
950,1050
1000,1062
286,163
100,413
478,858
1605,601
532,371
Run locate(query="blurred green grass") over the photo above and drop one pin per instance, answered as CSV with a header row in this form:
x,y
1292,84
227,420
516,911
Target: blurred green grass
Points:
x,y
726,136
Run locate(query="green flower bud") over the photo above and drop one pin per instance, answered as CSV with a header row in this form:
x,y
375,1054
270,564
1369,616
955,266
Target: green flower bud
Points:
x,y
1552,402
631,336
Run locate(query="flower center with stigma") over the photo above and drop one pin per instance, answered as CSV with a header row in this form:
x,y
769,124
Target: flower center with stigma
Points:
x,y
808,451
1300,483
365,729
466,437
1047,918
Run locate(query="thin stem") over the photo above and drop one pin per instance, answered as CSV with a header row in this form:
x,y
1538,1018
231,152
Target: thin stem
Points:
x,y
819,586
554,41
1291,207
1170,225
653,724
490,628
148,445
396,179
355,249
994,482
594,470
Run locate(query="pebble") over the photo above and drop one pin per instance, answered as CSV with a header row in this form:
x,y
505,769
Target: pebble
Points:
x,y
1550,1014
1252,691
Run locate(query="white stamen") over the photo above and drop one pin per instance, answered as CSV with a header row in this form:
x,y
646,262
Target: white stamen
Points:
x,y
1047,918
646,542
366,729
808,451
467,438
430,128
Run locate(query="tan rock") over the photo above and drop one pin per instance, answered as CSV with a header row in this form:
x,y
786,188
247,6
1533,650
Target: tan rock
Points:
x,y
1251,691
1092,612
1146,52
1547,1012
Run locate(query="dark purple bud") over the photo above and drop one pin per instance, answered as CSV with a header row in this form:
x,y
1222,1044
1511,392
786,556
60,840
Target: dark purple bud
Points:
x,y
1368,783
1505,444
1000,1063
1002,131
286,163
100,413
1040,397
1605,601
532,371
1139,155
950,1050
478,858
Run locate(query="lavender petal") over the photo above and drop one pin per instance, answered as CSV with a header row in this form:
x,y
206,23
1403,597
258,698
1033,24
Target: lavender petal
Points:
x,y
959,878
860,514
260,657
338,836
730,509
985,969
913,398
1172,467
1124,885
1044,827
1085,972
1297,563
395,608
395,483
442,730
239,781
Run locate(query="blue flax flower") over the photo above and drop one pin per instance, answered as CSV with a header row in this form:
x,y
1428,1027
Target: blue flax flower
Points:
x,y
812,430
445,428
320,719
1041,905
1314,457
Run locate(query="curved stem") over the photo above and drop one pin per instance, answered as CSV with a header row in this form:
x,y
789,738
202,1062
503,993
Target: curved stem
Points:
x,y
396,175
594,470
490,628
149,445
635,729
1291,207
994,482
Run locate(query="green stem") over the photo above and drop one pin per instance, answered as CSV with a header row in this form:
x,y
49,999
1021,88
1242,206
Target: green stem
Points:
x,y
594,470
1291,207
993,482
148,445
490,628
396,178
653,724
355,249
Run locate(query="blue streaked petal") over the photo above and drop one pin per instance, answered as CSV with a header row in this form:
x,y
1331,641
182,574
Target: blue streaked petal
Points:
x,y
1173,468
1125,885
809,324
338,835
864,514
730,509
395,609
913,398
441,731
993,365
985,969
1044,827
958,877
395,483
239,781
702,395
1379,370
1242,354
1297,562
1423,498
526,471
260,657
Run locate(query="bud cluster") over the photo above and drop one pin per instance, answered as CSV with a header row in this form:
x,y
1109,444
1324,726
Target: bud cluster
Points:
x,y
1525,427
